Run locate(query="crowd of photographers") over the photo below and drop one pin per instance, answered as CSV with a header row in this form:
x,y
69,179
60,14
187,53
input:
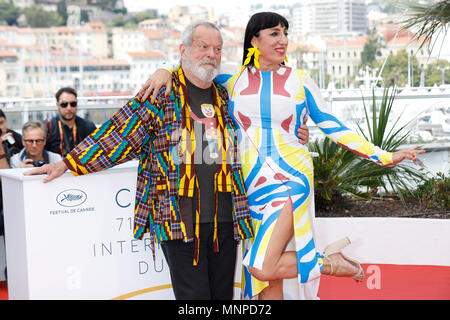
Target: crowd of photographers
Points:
x,y
42,143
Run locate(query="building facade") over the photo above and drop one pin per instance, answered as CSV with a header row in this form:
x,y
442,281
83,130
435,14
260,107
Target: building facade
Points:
x,y
328,17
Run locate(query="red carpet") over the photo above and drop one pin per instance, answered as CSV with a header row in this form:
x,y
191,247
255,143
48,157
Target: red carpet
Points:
x,y
383,282
3,291
390,282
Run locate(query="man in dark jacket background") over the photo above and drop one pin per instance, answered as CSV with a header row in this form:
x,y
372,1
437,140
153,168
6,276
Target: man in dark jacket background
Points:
x,y
67,129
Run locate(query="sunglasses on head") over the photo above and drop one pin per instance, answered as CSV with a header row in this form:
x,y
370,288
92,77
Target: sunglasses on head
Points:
x,y
64,104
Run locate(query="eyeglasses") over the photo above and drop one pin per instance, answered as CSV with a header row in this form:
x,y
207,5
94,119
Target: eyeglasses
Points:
x,y
64,104
32,141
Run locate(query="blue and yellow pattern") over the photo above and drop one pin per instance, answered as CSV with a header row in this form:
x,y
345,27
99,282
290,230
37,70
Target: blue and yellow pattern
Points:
x,y
268,108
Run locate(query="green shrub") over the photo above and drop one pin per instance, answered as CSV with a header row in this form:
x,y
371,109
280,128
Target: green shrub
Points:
x,y
435,192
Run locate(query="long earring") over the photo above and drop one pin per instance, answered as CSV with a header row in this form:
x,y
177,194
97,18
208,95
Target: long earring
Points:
x,y
286,59
253,51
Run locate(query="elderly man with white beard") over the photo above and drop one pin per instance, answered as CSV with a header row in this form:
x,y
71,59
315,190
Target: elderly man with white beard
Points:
x,y
191,201
190,193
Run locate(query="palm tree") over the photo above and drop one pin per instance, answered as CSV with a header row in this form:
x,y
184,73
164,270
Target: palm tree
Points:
x,y
427,20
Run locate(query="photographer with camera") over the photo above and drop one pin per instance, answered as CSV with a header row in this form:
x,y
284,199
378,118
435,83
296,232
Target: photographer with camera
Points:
x,y
10,140
33,155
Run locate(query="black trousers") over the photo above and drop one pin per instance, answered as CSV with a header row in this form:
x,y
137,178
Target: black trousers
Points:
x,y
213,277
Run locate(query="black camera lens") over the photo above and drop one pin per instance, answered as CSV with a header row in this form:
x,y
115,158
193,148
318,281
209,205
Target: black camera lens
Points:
x,y
38,163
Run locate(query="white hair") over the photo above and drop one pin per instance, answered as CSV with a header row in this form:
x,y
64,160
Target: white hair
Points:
x,y
188,33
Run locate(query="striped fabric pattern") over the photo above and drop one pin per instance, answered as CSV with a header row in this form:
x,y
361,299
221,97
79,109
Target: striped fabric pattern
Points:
x,y
151,133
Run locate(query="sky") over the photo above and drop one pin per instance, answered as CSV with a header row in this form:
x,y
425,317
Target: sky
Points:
x,y
218,5
221,6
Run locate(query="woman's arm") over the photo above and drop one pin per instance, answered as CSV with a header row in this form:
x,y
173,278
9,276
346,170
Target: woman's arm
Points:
x,y
162,77
342,135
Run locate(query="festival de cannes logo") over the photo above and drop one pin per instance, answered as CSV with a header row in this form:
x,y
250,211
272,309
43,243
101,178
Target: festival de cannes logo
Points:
x,y
71,198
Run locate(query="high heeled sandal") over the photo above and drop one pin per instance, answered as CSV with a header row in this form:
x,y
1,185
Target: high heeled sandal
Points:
x,y
338,263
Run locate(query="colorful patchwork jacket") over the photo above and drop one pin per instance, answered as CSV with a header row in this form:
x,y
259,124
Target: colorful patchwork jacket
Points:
x,y
157,134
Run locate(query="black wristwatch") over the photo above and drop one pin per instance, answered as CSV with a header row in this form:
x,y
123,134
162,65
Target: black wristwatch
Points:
x,y
2,156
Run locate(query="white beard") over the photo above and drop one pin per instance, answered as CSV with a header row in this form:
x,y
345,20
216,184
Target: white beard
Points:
x,y
204,74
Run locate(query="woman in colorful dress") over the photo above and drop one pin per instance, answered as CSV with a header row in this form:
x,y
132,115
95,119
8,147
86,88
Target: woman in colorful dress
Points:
x,y
268,102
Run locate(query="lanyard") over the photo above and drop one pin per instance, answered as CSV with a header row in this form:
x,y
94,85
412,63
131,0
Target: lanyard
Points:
x,y
61,137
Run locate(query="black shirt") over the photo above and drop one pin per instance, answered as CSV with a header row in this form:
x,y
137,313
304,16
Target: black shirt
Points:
x,y
206,158
84,128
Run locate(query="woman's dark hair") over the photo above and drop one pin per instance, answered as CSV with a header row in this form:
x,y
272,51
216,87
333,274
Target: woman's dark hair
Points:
x,y
2,114
260,21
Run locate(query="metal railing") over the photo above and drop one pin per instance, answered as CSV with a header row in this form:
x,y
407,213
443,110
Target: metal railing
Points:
x,y
346,104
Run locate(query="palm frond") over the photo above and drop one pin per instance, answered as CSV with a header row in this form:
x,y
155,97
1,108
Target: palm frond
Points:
x,y
427,20
338,171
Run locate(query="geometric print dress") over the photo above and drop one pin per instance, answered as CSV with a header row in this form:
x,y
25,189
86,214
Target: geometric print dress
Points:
x,y
268,108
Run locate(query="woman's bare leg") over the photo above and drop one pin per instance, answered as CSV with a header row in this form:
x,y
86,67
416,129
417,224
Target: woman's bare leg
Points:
x,y
273,292
278,264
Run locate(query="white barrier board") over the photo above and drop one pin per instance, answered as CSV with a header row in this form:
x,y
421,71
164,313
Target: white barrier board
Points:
x,y
72,238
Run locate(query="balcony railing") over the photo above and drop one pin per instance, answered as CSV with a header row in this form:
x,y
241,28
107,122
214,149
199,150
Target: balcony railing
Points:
x,y
416,104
